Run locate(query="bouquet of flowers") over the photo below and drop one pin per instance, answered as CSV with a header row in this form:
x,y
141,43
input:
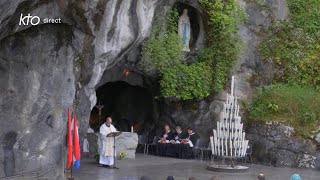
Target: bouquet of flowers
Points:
x,y
121,155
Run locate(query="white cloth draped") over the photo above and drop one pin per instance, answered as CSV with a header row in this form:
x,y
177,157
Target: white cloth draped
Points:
x,y
106,145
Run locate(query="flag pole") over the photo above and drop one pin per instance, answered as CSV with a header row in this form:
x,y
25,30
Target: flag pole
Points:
x,y
74,110
69,139
71,171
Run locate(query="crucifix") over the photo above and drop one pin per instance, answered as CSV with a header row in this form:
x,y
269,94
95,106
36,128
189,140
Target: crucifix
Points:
x,y
100,108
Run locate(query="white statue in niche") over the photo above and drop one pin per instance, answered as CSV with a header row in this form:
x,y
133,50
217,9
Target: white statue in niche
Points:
x,y
185,30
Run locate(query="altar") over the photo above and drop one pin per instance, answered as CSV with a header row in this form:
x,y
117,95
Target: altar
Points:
x,y
127,142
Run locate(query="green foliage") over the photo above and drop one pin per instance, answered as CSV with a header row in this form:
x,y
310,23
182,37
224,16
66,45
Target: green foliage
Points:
x,y
172,21
294,45
187,81
163,49
292,104
224,17
224,43
162,53
305,14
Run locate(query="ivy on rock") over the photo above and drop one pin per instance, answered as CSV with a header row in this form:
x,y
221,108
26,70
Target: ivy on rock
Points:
x,y
162,52
293,45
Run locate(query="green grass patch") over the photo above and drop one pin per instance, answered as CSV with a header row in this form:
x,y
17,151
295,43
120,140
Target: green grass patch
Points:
x,y
292,104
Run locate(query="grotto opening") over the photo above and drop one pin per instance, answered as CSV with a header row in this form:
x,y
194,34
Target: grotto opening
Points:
x,y
46,68
127,105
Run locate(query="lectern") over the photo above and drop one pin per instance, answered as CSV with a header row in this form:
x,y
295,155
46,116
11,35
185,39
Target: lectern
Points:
x,y
114,135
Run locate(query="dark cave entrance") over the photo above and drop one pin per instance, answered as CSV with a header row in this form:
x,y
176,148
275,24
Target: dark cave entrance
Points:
x,y
127,105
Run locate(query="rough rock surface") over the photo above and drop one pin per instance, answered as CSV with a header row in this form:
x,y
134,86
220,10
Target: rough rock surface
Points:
x,y
35,91
273,143
44,68
93,143
250,70
199,115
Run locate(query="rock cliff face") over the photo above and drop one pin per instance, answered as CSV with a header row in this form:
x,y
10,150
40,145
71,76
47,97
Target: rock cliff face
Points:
x,y
250,71
43,68
273,143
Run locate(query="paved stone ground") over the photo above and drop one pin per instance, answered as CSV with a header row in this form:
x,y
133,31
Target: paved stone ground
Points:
x,y
158,168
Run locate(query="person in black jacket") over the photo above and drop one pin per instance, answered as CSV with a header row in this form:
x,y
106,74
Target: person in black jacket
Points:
x,y
180,135
165,138
193,137
167,134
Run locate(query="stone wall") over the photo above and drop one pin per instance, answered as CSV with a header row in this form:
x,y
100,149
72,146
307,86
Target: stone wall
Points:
x,y
274,144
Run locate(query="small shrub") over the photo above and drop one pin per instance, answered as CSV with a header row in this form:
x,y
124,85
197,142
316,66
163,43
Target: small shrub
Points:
x,y
187,81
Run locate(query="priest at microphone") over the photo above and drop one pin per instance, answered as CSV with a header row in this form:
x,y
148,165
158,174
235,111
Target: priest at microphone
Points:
x,y
106,143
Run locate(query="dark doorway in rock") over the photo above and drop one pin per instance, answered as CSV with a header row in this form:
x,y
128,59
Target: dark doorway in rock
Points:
x,y
127,105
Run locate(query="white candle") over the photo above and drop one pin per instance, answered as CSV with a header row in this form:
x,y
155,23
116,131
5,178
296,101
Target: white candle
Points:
x,y
218,129
243,136
231,114
230,147
240,147
246,145
228,130
212,145
224,110
232,85
131,129
227,148
222,153
238,111
215,146
218,147
227,99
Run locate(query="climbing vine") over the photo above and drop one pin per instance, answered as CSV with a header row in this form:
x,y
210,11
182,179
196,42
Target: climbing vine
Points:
x,y
187,81
163,48
224,43
294,45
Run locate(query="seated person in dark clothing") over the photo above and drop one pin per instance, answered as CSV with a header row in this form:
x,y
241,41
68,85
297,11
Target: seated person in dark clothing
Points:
x,y
179,135
192,137
167,135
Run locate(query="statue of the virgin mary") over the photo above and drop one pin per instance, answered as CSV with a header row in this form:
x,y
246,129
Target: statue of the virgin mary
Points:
x,y
184,30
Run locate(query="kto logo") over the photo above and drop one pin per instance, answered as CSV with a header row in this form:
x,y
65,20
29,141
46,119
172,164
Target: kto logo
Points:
x,y
25,20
